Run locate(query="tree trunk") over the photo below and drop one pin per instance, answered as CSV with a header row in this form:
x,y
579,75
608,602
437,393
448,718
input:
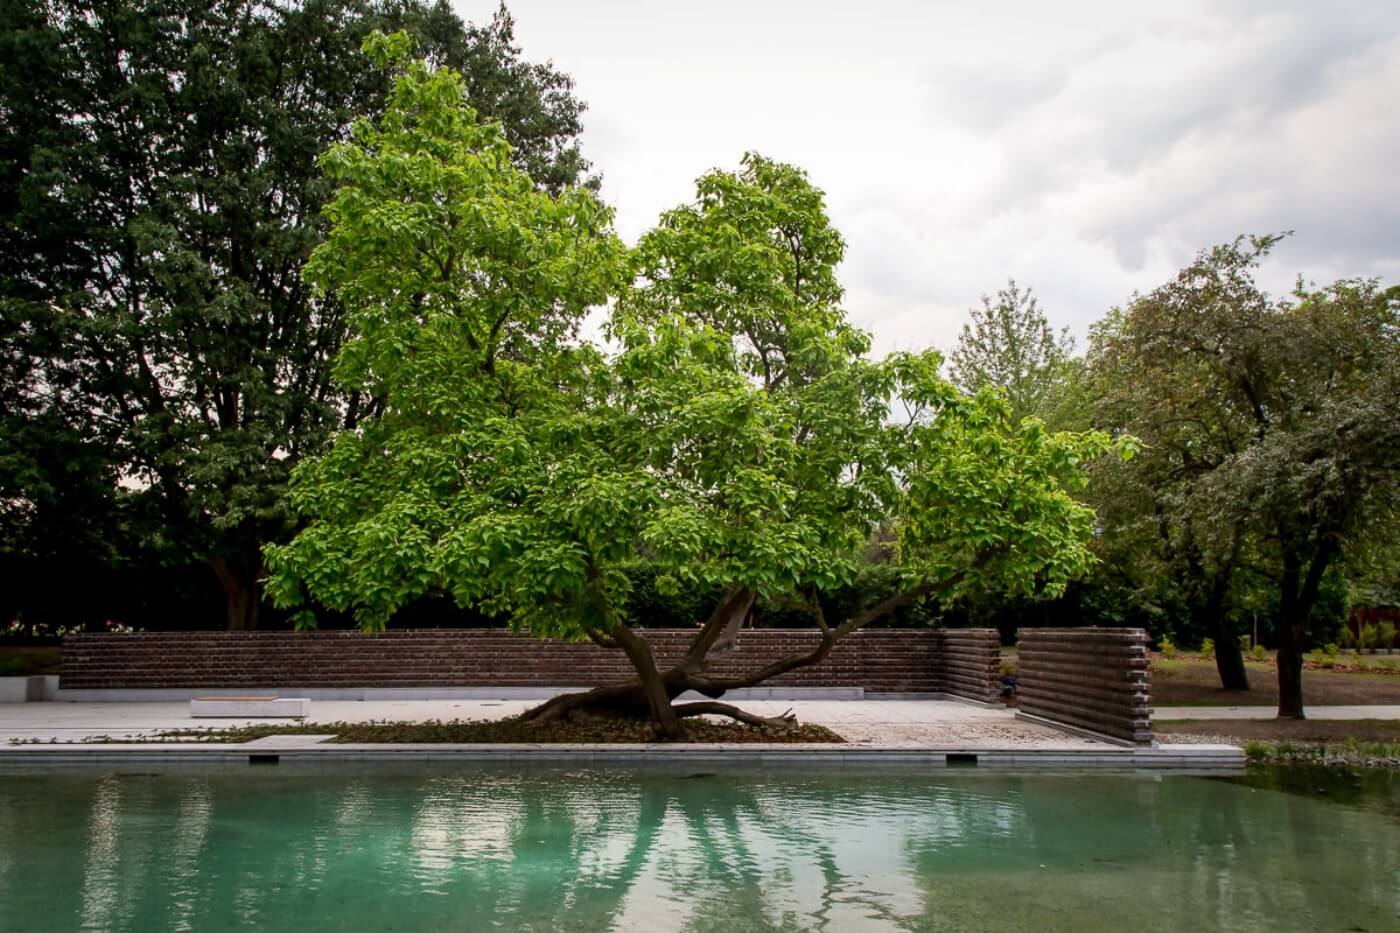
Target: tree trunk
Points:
x,y
1295,614
652,691
668,724
241,597
1229,660
1290,670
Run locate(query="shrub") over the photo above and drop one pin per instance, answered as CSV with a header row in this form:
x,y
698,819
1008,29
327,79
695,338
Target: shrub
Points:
x,y
1167,647
1385,635
1208,648
1260,653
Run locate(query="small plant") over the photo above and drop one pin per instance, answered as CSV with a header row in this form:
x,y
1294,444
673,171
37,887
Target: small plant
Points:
x,y
1260,653
1385,635
1167,647
1208,649
1348,639
1327,656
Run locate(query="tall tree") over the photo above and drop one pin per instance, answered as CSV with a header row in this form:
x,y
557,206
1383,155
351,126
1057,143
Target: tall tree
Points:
x,y
1272,426
738,438
158,197
1010,345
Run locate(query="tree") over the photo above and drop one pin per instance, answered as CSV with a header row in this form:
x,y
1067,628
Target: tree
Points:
x,y
739,436
158,197
1009,345
1272,428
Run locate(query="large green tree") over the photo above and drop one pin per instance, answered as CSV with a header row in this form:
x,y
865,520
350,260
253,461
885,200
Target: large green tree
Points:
x,y
158,197
1008,344
737,435
1272,430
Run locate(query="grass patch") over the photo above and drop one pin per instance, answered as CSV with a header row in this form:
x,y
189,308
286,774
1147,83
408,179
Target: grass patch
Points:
x,y
496,732
29,660
1192,681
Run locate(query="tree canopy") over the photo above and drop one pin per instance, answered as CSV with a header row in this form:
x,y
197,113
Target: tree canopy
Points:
x,y
1272,431
735,432
1009,344
159,194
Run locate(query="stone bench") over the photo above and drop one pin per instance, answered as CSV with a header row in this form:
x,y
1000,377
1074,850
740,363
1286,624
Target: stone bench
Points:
x,y
249,707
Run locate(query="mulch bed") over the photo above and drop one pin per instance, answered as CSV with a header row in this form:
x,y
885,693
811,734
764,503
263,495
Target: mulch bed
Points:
x,y
508,731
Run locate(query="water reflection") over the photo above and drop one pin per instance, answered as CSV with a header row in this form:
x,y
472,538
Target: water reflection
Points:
x,y
622,850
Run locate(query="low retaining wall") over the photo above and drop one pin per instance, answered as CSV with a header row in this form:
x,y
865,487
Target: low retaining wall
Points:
x,y
1089,678
971,663
962,662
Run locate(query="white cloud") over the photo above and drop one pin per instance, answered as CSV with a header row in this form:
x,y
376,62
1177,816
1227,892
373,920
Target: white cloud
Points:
x,y
1088,149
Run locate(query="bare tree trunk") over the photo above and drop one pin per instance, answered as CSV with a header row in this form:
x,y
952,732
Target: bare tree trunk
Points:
x,y
241,597
1229,660
1290,671
668,724
1295,615
652,692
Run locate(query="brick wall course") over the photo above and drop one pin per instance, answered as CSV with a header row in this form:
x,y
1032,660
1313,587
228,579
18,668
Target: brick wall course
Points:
x,y
879,660
1091,678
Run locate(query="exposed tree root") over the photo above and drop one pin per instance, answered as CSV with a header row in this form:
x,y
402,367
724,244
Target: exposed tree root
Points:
x,y
709,707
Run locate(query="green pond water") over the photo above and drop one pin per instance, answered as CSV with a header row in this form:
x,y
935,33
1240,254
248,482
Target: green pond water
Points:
x,y
282,848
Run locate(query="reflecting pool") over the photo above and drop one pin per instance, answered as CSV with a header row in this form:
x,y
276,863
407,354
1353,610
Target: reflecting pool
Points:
x,y
286,848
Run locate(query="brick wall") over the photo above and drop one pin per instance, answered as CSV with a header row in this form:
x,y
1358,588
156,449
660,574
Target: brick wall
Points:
x,y
880,660
1093,678
971,662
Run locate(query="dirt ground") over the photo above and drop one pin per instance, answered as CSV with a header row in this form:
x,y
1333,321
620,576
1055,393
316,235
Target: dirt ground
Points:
x,y
1286,730
1194,682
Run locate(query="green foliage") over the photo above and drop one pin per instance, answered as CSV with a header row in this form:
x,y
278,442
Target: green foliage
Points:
x,y
1208,648
1272,433
160,195
738,435
1167,647
1260,653
1009,345
464,285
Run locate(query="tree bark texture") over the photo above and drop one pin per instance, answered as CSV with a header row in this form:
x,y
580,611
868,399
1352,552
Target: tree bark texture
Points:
x,y
241,596
653,692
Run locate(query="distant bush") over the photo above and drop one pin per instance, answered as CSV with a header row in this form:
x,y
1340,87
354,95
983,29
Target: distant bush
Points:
x,y
1208,648
1167,647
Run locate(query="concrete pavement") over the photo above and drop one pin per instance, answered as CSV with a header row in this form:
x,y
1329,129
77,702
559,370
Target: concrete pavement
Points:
x,y
906,723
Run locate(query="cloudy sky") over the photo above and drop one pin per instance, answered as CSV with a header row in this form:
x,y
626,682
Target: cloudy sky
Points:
x,y
1086,149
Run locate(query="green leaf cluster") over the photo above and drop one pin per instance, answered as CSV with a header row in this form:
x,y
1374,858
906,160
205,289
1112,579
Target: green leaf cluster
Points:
x,y
733,432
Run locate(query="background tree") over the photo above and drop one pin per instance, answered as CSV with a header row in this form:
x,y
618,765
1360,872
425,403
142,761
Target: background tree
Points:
x,y
739,438
158,198
1009,345
1271,428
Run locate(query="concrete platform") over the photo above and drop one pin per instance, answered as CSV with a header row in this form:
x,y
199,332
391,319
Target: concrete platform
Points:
x,y
911,723
1195,759
249,707
928,733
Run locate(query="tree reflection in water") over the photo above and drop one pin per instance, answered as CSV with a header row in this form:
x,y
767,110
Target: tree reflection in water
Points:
x,y
468,849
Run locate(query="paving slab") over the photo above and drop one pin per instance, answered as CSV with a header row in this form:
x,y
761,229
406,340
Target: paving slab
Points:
x,y
887,722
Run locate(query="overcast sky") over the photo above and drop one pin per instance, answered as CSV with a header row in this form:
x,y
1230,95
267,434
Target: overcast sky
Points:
x,y
1086,149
